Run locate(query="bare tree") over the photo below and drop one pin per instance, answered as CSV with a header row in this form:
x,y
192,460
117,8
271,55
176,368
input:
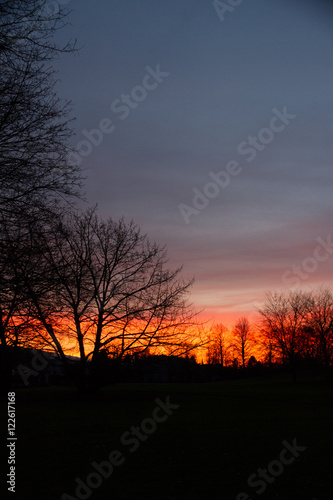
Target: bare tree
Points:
x,y
15,320
242,339
34,123
319,326
10,298
31,313
118,295
35,174
283,321
218,345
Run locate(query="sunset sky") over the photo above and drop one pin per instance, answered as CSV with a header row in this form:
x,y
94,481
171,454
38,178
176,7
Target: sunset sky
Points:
x,y
213,131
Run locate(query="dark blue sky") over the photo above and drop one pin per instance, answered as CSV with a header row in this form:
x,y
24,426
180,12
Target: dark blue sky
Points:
x,y
178,95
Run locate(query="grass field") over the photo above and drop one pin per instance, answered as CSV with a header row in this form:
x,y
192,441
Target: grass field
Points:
x,y
220,434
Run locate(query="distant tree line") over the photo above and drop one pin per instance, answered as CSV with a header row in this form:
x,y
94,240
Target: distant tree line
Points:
x,y
295,330
231,348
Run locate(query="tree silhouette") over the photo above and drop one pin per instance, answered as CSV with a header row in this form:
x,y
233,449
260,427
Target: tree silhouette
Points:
x,y
34,123
115,291
283,320
218,345
319,326
35,175
242,339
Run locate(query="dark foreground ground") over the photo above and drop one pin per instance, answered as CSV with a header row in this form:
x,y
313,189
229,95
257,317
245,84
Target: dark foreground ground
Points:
x,y
218,437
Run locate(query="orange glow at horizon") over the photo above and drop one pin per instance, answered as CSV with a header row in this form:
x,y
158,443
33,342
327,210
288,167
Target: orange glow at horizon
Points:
x,y
229,319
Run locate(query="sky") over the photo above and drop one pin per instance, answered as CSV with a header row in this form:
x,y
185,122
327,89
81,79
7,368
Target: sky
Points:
x,y
210,125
